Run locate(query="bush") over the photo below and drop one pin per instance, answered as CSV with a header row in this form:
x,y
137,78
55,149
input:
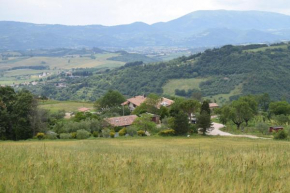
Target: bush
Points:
x,y
83,134
141,133
117,129
65,136
193,129
263,128
51,135
106,132
40,136
280,135
132,131
112,134
167,132
96,134
123,132
74,135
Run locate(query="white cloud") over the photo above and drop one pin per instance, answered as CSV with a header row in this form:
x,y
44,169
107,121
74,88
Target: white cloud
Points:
x,y
112,12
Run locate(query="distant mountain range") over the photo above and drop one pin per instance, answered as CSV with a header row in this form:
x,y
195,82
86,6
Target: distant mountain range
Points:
x,y
197,29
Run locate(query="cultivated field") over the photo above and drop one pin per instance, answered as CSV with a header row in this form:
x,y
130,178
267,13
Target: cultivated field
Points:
x,y
56,64
68,106
182,84
146,165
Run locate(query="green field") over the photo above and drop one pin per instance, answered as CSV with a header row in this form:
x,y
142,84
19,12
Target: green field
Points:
x,y
223,98
68,106
169,165
266,48
182,84
62,62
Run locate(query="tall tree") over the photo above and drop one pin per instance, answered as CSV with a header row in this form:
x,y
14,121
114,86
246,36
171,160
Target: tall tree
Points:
x,y
110,99
264,101
205,107
204,121
240,112
180,123
280,108
190,107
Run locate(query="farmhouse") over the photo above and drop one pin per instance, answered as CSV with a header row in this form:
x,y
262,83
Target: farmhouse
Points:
x,y
134,102
138,100
121,121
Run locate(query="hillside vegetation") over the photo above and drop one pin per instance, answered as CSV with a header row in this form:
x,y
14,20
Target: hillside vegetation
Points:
x,y
226,72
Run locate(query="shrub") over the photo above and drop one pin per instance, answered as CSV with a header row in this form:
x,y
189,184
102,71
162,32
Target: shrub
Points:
x,y
51,135
96,134
263,128
117,129
74,135
167,132
40,136
280,135
132,131
193,129
106,132
83,134
65,136
123,132
112,134
141,133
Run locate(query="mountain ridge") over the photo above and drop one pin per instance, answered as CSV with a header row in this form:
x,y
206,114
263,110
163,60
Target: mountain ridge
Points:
x,y
177,32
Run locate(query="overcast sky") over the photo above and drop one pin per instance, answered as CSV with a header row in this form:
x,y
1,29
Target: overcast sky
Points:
x,y
113,12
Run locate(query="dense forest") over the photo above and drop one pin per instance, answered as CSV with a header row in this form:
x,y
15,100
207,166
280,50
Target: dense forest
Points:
x,y
258,68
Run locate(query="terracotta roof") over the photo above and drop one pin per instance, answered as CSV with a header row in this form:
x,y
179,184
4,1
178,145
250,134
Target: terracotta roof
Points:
x,y
166,102
137,100
121,121
83,109
213,105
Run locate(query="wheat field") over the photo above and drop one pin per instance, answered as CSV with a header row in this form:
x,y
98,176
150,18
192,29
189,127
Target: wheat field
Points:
x,y
210,164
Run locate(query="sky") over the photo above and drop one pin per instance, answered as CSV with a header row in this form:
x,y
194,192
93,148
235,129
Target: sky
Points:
x,y
116,12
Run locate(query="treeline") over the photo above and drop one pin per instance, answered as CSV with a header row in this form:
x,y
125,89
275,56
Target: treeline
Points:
x,y
82,73
19,116
30,67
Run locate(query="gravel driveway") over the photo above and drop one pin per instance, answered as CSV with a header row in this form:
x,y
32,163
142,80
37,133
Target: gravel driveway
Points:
x,y
216,131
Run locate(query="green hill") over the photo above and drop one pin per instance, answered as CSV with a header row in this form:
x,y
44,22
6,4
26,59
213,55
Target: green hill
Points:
x,y
220,74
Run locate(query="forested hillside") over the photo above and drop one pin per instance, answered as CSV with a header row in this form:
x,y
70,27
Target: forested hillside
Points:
x,y
250,69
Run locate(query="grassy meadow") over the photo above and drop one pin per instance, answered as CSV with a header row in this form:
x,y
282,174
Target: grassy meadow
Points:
x,y
182,84
224,98
68,106
210,164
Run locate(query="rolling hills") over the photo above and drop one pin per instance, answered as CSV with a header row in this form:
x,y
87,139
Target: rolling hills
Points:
x,y
197,29
219,74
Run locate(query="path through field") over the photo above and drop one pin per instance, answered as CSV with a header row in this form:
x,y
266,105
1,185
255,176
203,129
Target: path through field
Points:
x,y
216,131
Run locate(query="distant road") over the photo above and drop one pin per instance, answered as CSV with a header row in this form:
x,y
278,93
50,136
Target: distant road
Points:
x,y
216,131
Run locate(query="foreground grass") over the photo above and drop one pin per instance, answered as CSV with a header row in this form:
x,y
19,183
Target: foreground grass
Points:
x,y
146,165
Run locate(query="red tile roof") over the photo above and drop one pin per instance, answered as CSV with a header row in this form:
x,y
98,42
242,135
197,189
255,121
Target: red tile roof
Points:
x,y
166,102
137,100
121,121
213,105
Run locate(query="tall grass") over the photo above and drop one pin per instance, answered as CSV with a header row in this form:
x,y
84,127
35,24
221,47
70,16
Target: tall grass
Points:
x,y
146,165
